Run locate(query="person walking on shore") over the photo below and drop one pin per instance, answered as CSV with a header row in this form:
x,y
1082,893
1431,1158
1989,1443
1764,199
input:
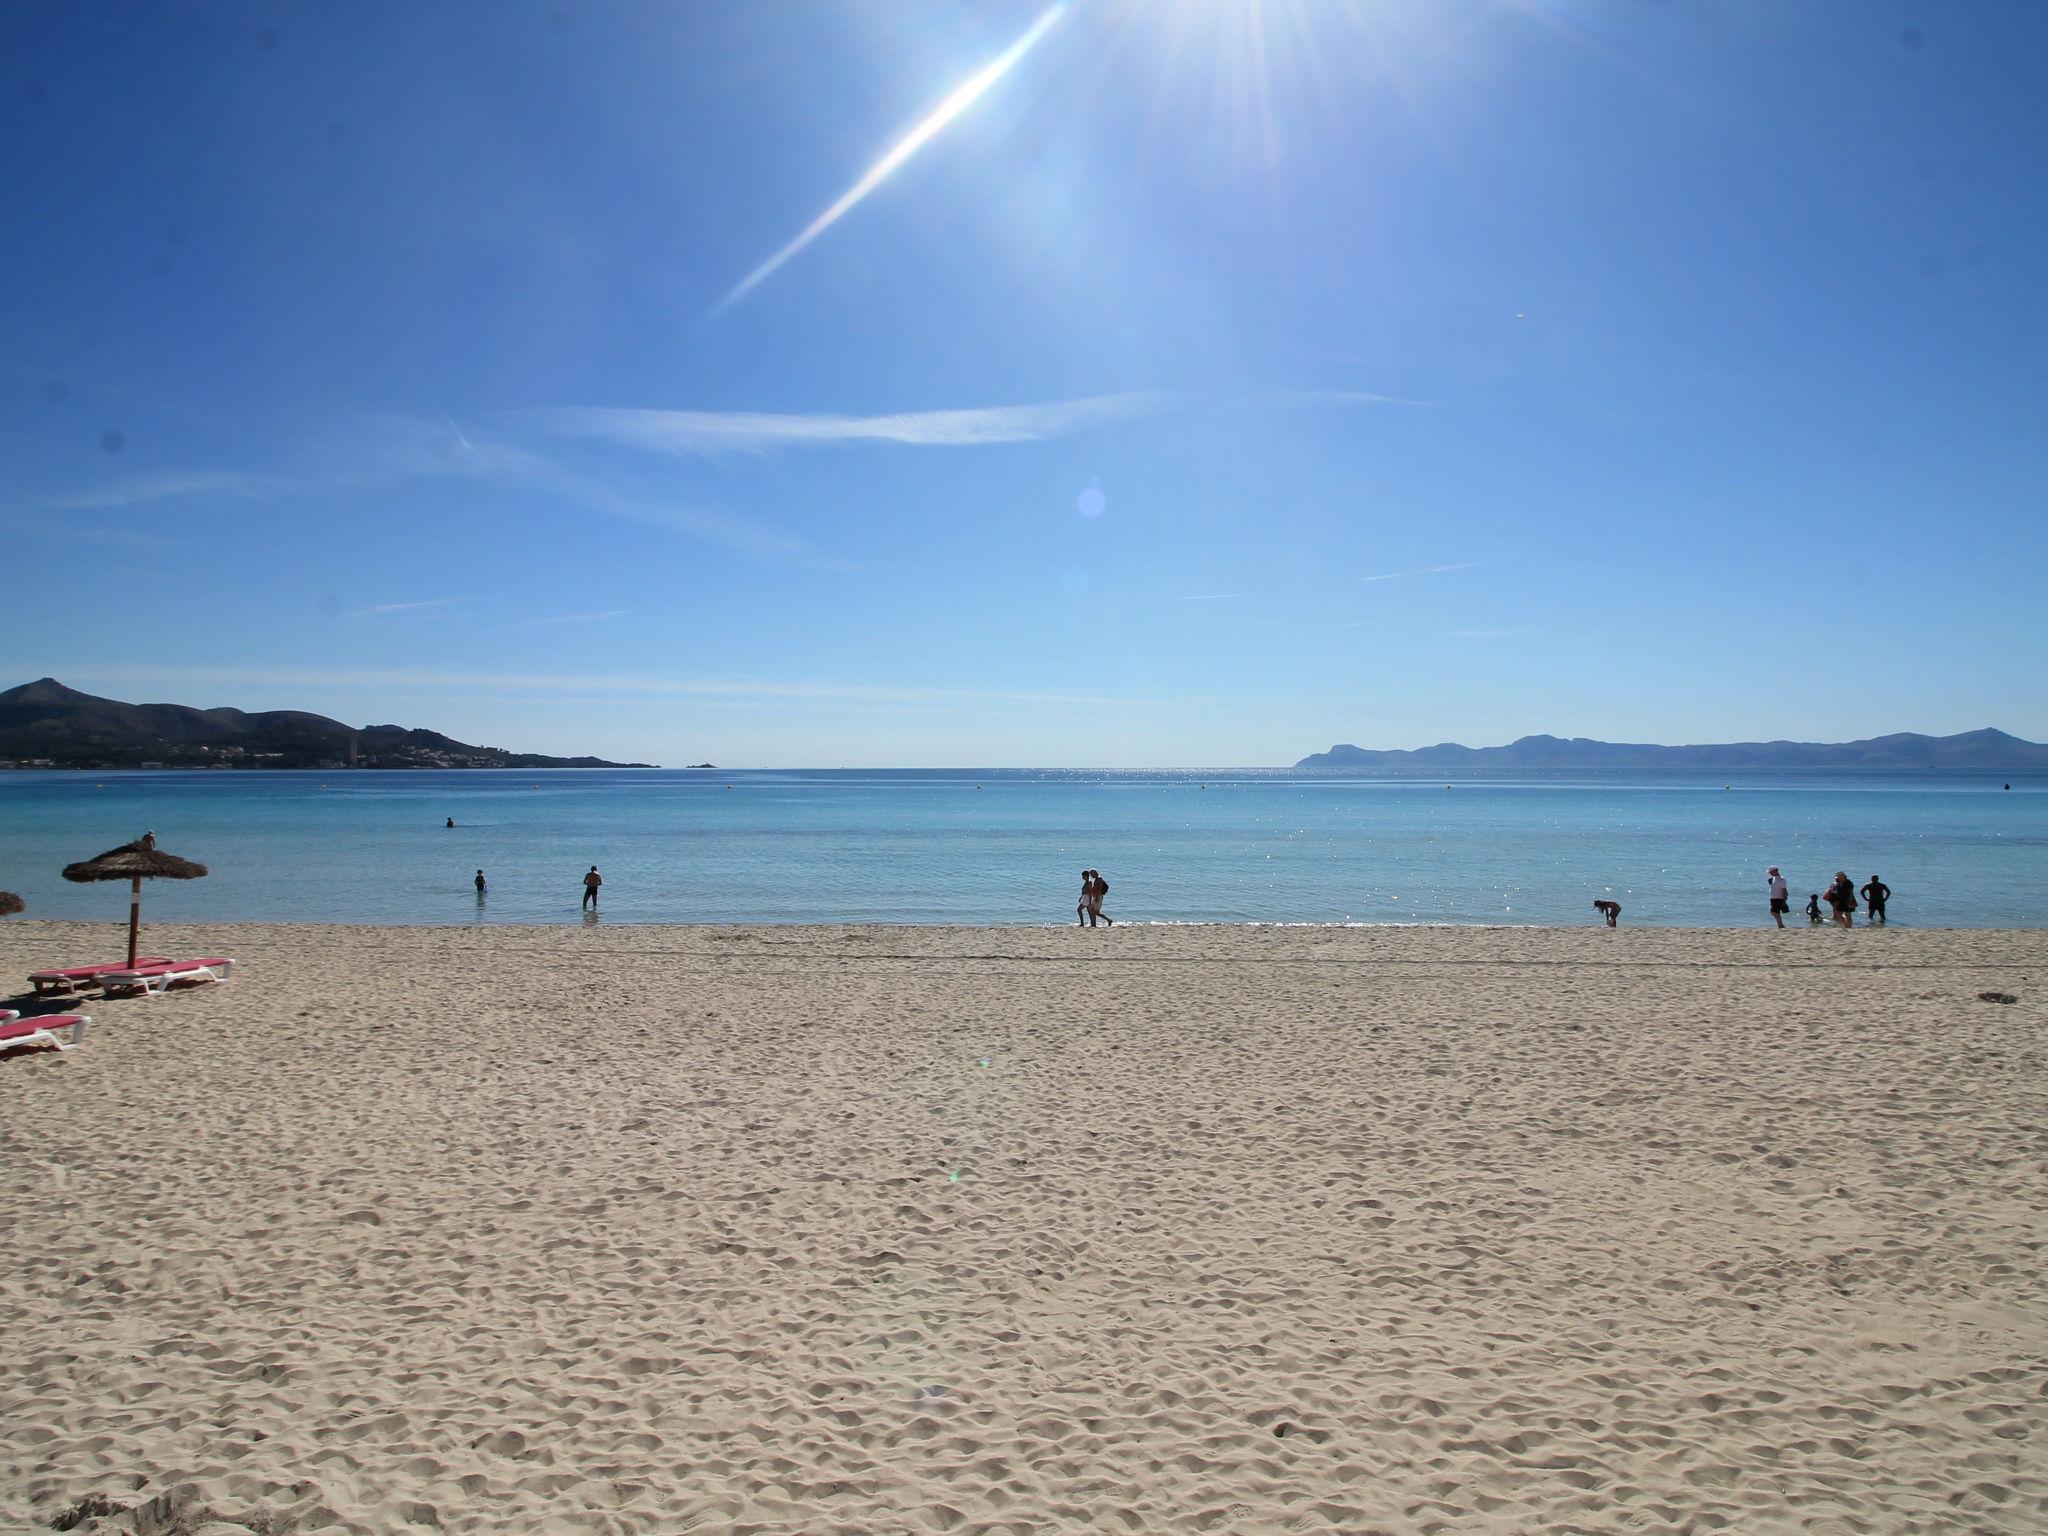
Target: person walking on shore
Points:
x,y
1081,901
1781,897
591,882
1097,888
1875,895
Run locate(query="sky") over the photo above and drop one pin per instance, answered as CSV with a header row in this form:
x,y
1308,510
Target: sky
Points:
x,y
1117,382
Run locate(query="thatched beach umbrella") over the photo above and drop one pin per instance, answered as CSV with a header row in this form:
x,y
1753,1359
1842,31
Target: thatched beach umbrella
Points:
x,y
135,862
10,904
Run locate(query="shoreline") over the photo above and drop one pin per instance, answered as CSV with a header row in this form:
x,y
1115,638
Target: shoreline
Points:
x,y
606,923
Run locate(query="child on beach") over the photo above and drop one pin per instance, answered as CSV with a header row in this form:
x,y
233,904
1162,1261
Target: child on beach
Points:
x,y
1813,909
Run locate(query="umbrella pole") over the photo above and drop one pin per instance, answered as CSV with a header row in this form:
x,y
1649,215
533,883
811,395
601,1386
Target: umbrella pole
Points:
x,y
134,915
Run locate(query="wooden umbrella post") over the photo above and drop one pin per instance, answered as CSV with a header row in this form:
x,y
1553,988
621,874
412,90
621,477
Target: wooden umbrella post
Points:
x,y
134,915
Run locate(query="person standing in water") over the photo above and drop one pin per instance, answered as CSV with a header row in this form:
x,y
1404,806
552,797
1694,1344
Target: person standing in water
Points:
x,y
1875,895
479,885
1781,897
1842,897
591,882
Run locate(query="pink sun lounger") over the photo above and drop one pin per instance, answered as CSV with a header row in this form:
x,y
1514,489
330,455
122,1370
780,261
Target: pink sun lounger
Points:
x,y
151,980
43,1033
79,978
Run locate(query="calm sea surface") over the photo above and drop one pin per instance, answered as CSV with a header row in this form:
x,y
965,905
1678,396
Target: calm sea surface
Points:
x,y
1008,846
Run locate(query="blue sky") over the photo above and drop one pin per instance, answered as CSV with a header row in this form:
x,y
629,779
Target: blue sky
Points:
x,y
1223,380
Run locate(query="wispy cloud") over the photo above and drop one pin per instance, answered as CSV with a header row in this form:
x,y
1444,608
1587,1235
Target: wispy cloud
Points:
x,y
71,533
406,447
709,434
583,618
706,434
1208,597
382,608
605,684
142,489
957,101
1427,570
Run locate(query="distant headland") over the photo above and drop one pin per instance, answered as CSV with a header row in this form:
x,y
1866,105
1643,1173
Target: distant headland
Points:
x,y
47,725
1985,751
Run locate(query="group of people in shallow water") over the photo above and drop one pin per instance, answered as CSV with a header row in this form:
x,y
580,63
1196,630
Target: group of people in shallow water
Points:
x,y
1840,897
591,882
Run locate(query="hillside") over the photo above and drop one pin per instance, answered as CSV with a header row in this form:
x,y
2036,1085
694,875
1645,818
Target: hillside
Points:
x,y
45,724
1985,751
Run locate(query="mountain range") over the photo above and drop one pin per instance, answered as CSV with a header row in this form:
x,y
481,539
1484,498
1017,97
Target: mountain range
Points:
x,y
1985,751
45,724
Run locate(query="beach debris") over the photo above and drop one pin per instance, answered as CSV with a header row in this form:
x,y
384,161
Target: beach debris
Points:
x,y
11,904
1996,997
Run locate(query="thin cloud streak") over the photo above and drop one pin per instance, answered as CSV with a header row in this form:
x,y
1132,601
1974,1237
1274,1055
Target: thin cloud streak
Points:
x,y
141,490
710,689
110,538
584,618
380,608
404,447
708,434
1427,570
959,100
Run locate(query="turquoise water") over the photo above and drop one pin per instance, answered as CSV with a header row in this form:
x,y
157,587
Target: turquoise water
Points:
x,y
1008,846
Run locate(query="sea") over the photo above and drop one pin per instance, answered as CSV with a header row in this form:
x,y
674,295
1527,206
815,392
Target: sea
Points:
x,y
1007,846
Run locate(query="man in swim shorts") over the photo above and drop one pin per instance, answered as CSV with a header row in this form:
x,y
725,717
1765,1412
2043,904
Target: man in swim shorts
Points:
x,y
1781,897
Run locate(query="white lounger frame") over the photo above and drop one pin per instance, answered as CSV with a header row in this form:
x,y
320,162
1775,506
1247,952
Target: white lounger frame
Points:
x,y
156,984
45,1037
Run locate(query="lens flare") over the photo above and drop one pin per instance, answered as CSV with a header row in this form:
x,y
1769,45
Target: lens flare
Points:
x,y
963,96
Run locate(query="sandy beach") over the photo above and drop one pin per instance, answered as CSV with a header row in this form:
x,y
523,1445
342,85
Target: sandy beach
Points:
x,y
1222,1230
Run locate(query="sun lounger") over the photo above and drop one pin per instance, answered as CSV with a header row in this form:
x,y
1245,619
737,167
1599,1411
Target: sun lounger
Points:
x,y
79,978
8,1015
150,980
44,1033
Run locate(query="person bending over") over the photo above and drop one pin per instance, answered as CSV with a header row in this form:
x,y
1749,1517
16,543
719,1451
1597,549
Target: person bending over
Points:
x,y
1611,910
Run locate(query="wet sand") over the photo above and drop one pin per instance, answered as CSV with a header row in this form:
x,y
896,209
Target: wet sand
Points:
x,y
1226,1230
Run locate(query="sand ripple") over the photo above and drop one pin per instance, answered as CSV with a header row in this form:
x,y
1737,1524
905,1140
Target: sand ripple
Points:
x,y
1199,1230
